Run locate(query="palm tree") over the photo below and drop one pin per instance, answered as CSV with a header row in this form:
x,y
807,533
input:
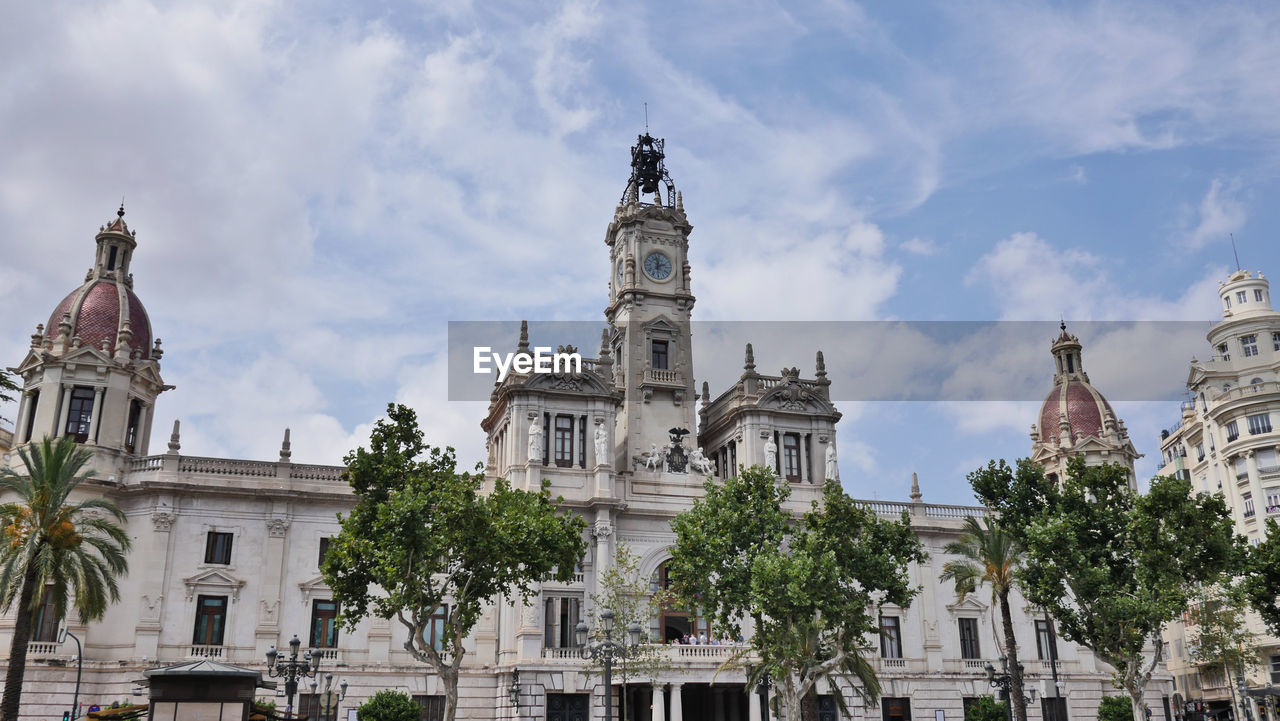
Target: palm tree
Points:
x,y
56,546
989,555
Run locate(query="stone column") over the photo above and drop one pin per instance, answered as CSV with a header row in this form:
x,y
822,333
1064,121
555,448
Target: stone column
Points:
x,y
804,458
63,413
659,703
20,420
602,530
753,705
97,415
677,703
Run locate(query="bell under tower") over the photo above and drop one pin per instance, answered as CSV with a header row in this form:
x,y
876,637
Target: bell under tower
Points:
x,y
650,305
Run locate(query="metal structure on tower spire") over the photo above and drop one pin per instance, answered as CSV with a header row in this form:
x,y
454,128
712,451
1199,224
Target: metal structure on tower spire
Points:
x,y
649,172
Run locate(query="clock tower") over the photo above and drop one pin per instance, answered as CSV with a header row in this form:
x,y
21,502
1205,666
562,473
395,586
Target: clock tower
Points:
x,y
650,304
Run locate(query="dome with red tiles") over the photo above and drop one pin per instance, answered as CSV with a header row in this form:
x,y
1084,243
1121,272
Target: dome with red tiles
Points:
x,y
1083,405
1087,413
106,307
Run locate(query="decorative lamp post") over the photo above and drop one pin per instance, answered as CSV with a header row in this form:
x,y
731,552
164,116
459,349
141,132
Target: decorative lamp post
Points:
x,y
329,699
513,693
293,669
763,688
605,651
1243,688
62,638
1002,681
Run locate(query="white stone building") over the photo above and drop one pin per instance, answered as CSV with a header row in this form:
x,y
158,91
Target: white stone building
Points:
x,y
1226,442
226,552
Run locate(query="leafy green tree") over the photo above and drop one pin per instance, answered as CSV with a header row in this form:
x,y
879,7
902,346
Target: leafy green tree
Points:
x,y
986,708
989,556
1111,565
1217,634
423,537
7,388
389,705
807,585
624,591
1115,708
1261,584
54,545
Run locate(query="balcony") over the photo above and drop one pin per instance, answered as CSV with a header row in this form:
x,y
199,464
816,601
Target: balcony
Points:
x,y
206,651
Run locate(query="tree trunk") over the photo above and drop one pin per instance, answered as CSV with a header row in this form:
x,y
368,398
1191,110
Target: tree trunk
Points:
x,y
1136,691
18,650
450,696
1016,695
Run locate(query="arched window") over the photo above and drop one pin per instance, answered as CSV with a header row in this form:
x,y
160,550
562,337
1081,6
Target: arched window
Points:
x,y
673,623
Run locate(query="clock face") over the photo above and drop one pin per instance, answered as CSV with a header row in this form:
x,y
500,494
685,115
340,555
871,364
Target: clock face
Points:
x,y
657,265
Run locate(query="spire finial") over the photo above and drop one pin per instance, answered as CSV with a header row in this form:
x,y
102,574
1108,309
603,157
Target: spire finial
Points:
x,y
175,438
286,448
749,362
1062,324
523,345
916,495
120,212
706,394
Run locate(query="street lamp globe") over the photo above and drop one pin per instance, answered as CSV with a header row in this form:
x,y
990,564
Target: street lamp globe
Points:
x,y
580,632
606,617
633,634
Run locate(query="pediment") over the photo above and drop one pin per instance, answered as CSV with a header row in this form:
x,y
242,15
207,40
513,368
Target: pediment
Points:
x,y
968,605
213,581
33,359
87,355
585,382
662,323
315,587
796,397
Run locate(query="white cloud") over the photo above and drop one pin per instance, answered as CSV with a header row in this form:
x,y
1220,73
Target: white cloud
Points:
x,y
920,246
1221,213
1076,174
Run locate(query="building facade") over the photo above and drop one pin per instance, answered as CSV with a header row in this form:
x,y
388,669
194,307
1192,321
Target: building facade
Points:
x,y
226,551
1225,442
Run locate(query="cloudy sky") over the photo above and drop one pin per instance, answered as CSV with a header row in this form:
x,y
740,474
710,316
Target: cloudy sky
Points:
x,y
320,187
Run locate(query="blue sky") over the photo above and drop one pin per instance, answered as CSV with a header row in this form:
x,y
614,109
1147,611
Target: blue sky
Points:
x,y
318,192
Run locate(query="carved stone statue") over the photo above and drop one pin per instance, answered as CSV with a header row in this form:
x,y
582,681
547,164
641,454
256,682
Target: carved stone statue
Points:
x,y
535,441
771,454
651,459
699,462
832,471
602,445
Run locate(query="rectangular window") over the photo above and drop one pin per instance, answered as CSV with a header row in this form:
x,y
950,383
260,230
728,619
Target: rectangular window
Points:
x,y
44,628
561,617
80,414
660,355
546,443
35,403
1260,423
1249,344
969,638
1046,644
582,441
1224,352
324,624
1200,452
564,441
1054,708
1233,431
1275,341
895,709
211,620
791,456
1241,297
324,548
1247,500
436,624
1275,669
432,706
1273,500
890,637
1257,294
217,548
131,430
308,705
